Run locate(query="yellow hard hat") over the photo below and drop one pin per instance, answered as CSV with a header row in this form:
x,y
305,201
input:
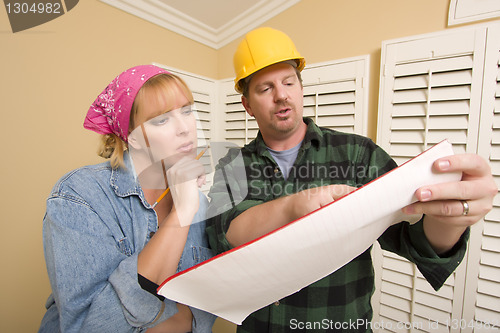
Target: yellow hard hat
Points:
x,y
260,48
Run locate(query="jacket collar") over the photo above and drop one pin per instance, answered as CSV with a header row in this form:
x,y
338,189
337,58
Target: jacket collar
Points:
x,y
312,138
123,181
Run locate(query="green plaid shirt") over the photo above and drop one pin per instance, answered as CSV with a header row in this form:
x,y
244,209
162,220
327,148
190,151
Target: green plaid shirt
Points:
x,y
341,301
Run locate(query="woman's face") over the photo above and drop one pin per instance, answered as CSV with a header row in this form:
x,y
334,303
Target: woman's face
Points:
x,y
165,132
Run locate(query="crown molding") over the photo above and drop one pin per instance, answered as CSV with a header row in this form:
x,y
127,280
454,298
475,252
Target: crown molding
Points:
x,y
172,19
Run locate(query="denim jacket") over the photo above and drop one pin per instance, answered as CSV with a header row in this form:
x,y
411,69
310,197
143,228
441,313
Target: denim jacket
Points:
x,y
97,221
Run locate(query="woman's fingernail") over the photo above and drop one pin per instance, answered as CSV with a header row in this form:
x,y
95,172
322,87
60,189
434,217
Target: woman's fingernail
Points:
x,y
425,195
444,165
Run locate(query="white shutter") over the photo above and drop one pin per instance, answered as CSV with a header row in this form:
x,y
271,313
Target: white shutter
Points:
x,y
335,96
430,90
236,120
482,294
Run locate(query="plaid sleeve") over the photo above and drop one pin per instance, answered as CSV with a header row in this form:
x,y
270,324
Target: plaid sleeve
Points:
x,y
409,241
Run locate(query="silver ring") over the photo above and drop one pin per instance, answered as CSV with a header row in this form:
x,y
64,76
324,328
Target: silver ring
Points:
x,y
466,207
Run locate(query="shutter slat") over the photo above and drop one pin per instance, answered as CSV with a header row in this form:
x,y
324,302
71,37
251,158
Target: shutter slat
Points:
x,y
491,243
488,287
396,291
397,302
338,98
339,109
446,64
429,312
491,228
488,319
460,107
489,273
487,301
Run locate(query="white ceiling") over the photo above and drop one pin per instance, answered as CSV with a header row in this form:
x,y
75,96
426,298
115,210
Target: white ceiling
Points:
x,y
212,22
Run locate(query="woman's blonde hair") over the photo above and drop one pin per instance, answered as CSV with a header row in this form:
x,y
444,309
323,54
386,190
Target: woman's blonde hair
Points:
x,y
162,86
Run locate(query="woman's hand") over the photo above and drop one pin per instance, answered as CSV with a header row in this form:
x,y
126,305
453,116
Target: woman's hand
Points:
x,y
184,179
160,257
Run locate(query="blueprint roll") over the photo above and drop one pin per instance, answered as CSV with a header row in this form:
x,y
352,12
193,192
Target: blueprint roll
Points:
x,y
301,249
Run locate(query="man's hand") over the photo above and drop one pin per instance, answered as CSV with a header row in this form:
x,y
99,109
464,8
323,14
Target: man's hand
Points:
x,y
307,201
264,218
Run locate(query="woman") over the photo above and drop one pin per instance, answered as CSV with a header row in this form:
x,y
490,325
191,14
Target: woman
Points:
x,y
109,241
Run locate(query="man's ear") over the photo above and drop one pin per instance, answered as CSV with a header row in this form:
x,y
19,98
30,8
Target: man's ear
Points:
x,y
246,105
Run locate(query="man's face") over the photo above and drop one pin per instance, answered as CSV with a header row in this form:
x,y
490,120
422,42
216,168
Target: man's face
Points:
x,y
275,99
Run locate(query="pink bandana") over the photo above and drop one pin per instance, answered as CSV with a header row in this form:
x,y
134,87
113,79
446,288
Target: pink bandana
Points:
x,y
110,112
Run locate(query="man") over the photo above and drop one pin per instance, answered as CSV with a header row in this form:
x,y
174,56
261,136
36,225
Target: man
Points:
x,y
284,183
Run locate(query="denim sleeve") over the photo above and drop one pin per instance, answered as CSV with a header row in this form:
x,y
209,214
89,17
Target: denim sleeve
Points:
x,y
93,277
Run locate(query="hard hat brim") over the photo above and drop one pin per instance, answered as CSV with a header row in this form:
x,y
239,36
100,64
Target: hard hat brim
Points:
x,y
238,82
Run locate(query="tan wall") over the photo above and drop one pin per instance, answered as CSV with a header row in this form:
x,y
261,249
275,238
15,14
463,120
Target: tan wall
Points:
x,y
50,74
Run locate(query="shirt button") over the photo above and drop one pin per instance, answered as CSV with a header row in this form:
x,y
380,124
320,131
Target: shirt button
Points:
x,y
276,170
151,234
277,303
